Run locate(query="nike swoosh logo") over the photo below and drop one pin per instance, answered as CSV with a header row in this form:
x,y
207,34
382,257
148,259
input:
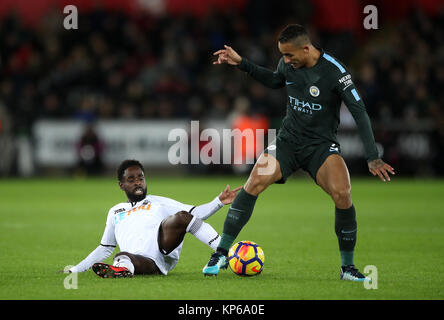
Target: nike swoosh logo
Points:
x,y
287,83
342,231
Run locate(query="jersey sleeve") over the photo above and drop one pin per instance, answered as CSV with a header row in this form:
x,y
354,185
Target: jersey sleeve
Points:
x,y
99,254
109,238
267,77
204,211
352,99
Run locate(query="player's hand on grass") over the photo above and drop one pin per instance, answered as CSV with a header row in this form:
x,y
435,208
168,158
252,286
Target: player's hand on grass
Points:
x,y
227,55
381,169
227,196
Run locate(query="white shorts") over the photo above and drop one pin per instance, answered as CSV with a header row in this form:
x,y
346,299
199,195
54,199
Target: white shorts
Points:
x,y
165,262
148,246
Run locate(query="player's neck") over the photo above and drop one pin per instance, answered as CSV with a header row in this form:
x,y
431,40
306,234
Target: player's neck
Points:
x,y
313,58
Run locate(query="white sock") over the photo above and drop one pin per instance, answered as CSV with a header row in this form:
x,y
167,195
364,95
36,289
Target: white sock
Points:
x,y
204,232
124,261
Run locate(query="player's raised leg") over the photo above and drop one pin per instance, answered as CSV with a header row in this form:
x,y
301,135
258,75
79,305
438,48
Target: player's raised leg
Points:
x,y
173,229
265,172
333,177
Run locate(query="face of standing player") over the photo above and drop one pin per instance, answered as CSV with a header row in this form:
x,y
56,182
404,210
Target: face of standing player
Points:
x,y
295,54
134,184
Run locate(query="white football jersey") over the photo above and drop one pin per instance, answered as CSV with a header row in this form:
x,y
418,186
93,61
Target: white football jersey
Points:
x,y
134,228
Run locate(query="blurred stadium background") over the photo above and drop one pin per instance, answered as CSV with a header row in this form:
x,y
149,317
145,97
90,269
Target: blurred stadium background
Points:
x,y
77,102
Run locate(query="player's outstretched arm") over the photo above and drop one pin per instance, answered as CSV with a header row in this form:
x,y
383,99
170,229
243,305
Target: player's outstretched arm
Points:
x,y
267,77
381,169
204,211
98,255
228,56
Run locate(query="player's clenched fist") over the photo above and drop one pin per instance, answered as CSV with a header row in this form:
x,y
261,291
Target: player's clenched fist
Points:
x,y
227,55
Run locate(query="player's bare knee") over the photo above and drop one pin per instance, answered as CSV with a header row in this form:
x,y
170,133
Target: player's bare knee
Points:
x,y
255,184
182,218
342,196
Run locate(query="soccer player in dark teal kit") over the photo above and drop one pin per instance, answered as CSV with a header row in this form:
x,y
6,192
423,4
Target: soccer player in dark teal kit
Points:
x,y
316,85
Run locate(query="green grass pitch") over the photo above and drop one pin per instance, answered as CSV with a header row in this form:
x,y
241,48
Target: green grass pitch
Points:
x,y
47,224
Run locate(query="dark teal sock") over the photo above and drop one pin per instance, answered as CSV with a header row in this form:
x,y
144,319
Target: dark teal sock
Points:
x,y
238,215
346,230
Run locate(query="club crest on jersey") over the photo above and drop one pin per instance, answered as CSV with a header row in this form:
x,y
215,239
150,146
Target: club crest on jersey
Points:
x,y
314,91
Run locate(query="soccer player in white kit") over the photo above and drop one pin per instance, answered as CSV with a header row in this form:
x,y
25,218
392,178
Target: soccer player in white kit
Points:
x,y
148,229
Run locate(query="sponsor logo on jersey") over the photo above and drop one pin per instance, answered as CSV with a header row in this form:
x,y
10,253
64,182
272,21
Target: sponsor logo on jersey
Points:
x,y
304,106
314,91
119,210
139,209
346,81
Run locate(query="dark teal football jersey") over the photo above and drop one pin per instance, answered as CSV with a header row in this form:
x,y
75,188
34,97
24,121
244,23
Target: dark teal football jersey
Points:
x,y
314,97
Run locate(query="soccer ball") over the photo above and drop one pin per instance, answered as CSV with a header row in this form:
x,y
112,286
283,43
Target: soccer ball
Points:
x,y
246,258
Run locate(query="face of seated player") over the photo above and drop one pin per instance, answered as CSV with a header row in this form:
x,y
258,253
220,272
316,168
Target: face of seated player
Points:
x,y
293,54
134,184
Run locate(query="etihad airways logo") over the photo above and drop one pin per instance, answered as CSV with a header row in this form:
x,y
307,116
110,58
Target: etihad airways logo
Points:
x,y
303,106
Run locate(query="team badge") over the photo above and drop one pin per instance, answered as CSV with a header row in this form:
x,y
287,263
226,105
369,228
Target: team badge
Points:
x,y
314,91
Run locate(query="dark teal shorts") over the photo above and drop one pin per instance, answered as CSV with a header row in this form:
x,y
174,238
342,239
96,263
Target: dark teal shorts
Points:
x,y
293,157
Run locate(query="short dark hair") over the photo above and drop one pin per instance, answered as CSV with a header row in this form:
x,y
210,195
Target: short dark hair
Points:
x,y
293,32
125,165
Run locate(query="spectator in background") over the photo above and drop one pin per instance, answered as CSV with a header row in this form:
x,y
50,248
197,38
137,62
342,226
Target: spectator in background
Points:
x,y
251,125
90,149
401,75
157,67
7,153
437,139
130,60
